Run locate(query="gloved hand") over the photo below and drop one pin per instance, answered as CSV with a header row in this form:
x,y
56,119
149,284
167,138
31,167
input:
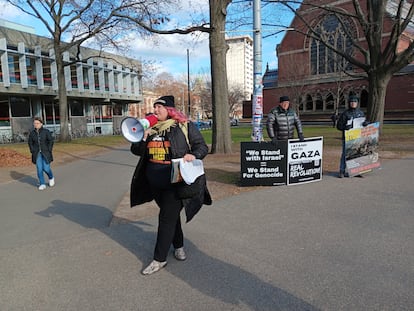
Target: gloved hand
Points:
x,y
301,138
274,141
348,127
365,123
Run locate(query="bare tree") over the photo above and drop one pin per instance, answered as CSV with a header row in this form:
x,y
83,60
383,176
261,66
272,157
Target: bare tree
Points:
x,y
81,20
152,22
376,51
236,97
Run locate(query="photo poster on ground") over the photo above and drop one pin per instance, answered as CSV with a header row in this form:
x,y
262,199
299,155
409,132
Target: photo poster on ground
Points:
x,y
304,160
263,164
361,149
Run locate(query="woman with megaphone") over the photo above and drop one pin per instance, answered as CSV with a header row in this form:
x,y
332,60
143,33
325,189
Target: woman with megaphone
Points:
x,y
172,137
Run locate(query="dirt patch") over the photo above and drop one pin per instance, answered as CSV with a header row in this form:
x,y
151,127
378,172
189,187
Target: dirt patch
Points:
x,y
11,158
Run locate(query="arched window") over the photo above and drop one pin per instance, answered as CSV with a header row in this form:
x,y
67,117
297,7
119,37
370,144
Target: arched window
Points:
x,y
330,102
309,103
319,102
324,60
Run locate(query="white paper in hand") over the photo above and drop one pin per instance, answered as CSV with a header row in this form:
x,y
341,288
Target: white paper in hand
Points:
x,y
191,170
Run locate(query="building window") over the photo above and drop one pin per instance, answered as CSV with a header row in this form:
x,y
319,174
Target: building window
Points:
x,y
106,79
324,60
107,113
76,109
14,68
20,107
31,70
96,77
73,76
330,103
51,113
4,111
47,72
117,110
116,86
85,78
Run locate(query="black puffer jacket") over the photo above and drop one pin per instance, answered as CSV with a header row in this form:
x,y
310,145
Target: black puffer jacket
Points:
x,y
140,189
281,123
41,140
348,115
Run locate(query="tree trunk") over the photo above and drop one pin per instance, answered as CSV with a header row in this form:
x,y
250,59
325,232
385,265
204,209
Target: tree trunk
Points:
x,y
377,89
63,99
221,140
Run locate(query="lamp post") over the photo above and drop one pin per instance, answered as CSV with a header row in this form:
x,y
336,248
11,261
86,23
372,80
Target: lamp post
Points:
x,y
188,83
257,101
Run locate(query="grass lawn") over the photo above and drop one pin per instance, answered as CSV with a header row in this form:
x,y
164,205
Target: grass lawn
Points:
x,y
398,139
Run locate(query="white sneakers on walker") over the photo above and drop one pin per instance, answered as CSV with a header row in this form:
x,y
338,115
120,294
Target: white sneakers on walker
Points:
x,y
153,267
52,182
42,187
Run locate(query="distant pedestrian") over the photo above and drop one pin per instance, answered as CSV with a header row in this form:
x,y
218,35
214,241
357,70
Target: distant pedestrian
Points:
x,y
281,122
334,118
41,146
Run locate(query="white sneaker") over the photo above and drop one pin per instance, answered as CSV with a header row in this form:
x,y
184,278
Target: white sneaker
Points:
x,y
42,187
52,182
179,254
153,267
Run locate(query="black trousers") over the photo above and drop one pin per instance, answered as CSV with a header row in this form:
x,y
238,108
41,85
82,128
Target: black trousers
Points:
x,y
169,223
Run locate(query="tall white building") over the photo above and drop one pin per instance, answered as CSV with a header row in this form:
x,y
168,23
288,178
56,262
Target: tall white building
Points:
x,y
239,60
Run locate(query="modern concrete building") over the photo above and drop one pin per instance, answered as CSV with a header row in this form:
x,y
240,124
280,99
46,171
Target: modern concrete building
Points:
x,y
100,86
239,59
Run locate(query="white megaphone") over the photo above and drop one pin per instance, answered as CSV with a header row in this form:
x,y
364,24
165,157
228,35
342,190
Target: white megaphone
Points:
x,y
133,129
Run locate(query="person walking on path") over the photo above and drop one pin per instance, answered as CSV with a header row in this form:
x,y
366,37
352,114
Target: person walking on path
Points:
x,y
281,121
345,123
172,137
41,146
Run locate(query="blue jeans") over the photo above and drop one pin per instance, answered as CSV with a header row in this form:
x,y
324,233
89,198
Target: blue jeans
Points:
x,y
342,165
43,166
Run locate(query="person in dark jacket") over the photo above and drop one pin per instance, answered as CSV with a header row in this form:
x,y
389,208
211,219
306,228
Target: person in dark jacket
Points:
x,y
281,122
345,123
41,146
174,136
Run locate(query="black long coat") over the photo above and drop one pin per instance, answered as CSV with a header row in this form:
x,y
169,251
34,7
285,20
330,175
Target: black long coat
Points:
x,y
41,140
140,188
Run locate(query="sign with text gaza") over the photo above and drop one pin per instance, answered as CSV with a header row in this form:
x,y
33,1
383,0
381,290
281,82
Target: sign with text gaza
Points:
x,y
304,160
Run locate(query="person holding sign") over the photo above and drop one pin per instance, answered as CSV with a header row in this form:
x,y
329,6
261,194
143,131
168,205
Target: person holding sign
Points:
x,y
281,122
349,119
172,137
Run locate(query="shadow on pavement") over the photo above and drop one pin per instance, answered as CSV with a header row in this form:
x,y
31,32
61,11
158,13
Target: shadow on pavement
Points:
x,y
24,178
208,275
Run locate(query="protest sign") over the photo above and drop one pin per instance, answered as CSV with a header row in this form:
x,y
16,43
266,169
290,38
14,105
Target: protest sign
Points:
x,y
263,164
361,149
305,160
288,162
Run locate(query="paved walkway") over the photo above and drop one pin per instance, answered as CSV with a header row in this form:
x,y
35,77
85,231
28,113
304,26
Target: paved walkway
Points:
x,y
337,244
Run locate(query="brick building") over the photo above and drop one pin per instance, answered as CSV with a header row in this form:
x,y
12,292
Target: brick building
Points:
x,y
314,77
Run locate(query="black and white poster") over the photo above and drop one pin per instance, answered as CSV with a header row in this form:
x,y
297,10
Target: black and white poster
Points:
x,y
304,160
263,164
288,162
